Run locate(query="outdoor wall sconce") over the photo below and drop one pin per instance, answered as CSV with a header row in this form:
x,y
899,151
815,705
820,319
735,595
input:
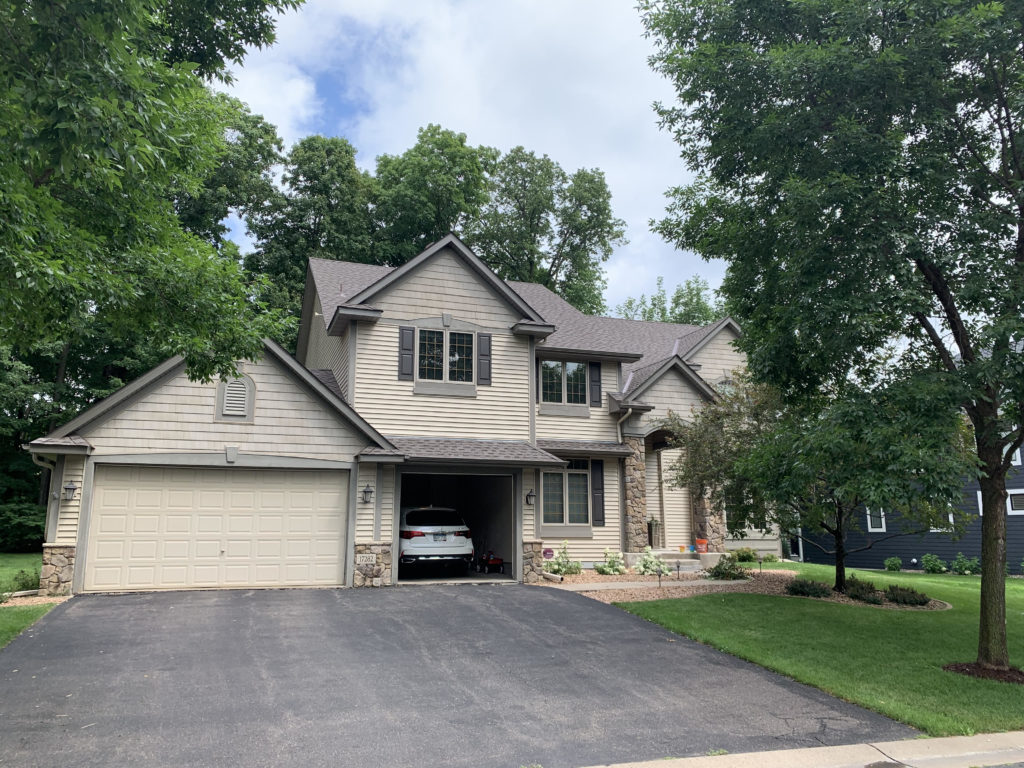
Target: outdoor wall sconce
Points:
x,y
69,490
367,494
530,497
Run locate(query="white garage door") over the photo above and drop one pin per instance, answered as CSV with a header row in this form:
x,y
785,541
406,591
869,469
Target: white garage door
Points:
x,y
180,528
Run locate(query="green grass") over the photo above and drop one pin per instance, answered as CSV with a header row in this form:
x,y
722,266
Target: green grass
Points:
x,y
11,563
14,619
888,661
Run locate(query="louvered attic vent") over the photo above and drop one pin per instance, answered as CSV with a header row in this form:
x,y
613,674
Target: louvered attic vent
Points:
x,y
236,398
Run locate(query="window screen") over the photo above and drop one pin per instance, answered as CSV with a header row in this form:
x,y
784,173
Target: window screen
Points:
x,y
551,381
460,357
554,511
432,355
575,383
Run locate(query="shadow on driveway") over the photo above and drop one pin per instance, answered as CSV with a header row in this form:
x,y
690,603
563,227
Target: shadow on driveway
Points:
x,y
482,676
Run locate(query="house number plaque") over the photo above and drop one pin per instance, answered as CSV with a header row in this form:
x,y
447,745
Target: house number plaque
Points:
x,y
366,559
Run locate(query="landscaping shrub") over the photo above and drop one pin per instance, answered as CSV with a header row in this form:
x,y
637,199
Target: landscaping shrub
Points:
x,y
24,580
22,527
933,564
770,557
727,568
808,588
745,555
864,591
613,565
893,564
894,593
561,564
651,565
965,566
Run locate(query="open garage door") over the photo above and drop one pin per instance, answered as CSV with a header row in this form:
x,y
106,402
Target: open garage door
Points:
x,y
485,502
180,528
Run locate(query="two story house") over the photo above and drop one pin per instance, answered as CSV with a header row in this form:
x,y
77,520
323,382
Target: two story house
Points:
x,y
434,383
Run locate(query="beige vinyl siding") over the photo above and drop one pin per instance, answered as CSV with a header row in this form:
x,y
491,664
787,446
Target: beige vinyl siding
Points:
x,y
68,512
652,486
178,416
444,284
600,425
364,512
326,352
671,392
609,535
500,411
677,504
530,510
387,509
718,358
761,542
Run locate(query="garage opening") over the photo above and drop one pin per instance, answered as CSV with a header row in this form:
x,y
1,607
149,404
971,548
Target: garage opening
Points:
x,y
486,504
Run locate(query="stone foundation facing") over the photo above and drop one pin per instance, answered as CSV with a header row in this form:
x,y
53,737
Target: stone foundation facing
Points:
x,y
373,566
533,561
58,569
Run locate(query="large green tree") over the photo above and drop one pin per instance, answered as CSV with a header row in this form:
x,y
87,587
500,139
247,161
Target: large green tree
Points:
x,y
813,469
543,225
436,186
691,304
322,211
860,166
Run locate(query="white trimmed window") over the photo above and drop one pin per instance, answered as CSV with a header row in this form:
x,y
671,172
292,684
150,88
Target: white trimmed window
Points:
x,y
876,521
565,498
945,528
1015,501
1015,459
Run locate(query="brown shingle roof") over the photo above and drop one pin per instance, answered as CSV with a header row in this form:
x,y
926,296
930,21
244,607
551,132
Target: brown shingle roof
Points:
x,y
584,448
326,378
458,451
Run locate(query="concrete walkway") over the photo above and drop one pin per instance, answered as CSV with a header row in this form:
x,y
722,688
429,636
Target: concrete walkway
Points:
x,y
992,750
597,586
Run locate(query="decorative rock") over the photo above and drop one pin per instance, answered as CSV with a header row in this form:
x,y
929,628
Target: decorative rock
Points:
x,y
636,496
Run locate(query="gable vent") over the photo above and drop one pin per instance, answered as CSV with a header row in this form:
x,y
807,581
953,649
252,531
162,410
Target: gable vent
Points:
x,y
236,398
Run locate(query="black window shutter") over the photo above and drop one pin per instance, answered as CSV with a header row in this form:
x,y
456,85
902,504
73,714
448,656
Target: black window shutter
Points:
x,y
595,385
406,352
597,492
483,358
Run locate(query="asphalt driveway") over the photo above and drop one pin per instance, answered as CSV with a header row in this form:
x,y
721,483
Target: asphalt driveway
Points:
x,y
482,676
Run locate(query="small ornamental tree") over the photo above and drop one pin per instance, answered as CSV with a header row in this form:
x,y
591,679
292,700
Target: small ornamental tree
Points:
x,y
811,471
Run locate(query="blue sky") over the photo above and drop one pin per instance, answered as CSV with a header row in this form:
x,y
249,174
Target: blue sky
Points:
x,y
566,78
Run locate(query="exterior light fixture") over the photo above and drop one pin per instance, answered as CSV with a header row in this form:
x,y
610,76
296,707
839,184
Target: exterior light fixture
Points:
x,y
530,497
367,494
69,490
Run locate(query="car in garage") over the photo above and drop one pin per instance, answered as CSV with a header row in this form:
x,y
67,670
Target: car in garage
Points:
x,y
434,535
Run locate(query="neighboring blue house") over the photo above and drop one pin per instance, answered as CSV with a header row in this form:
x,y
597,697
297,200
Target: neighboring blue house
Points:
x,y
876,525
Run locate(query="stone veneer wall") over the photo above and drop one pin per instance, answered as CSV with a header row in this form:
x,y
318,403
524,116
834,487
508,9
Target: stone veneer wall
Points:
x,y
636,496
58,569
707,524
376,573
533,561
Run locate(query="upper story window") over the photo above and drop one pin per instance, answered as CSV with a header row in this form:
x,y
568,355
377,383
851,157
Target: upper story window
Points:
x,y
876,521
445,356
563,382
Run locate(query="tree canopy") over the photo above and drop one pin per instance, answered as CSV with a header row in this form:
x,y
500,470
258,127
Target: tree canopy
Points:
x,y
860,166
691,304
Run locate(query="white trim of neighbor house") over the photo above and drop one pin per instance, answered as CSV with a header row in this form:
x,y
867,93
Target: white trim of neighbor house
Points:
x,y
1011,493
880,528
944,529
1015,460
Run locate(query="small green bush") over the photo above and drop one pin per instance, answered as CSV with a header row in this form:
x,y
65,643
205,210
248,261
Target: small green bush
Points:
x,y
651,565
808,588
965,566
864,591
613,565
25,580
770,557
745,555
561,564
894,593
727,568
893,564
933,564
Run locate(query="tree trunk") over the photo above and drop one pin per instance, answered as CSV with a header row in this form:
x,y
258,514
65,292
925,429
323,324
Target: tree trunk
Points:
x,y
840,535
992,649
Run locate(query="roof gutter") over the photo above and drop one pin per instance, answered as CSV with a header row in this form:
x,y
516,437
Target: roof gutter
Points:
x,y
618,424
40,461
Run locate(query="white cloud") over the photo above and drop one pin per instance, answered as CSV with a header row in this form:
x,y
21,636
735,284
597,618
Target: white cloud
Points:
x,y
568,79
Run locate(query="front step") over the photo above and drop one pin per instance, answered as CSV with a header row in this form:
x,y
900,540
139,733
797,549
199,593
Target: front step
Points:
x,y
688,562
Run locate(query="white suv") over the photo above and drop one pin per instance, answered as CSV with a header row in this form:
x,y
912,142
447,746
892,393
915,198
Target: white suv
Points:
x,y
434,534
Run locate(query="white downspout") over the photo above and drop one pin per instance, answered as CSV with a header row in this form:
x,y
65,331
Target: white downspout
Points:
x,y
618,424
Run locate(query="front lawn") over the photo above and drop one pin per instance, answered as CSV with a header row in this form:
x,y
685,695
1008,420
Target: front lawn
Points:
x,y
887,660
11,563
15,618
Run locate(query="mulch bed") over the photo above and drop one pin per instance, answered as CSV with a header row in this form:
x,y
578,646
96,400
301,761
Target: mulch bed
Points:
x,y
1011,675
